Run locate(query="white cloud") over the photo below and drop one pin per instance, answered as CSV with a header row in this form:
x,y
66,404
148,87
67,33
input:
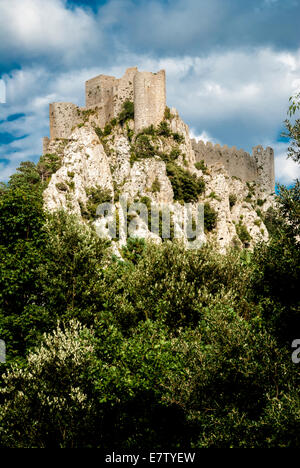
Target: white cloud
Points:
x,y
286,170
37,28
2,92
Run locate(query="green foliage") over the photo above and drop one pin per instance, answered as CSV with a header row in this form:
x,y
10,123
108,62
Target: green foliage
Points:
x,y
96,196
99,132
293,129
48,165
133,250
260,202
163,129
155,185
61,186
232,199
107,130
276,280
210,218
186,186
178,137
167,114
167,348
242,233
201,166
126,113
142,148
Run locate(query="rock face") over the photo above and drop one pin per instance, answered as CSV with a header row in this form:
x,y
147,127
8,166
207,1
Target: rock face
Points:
x,y
131,160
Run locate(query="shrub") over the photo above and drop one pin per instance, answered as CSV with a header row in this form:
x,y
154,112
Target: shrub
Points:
x,y
107,129
143,148
186,186
242,233
96,196
163,129
210,217
127,112
155,185
232,199
48,165
201,166
61,186
99,132
167,114
177,137
260,202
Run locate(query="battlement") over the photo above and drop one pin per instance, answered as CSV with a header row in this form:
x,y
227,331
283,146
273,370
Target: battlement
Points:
x,y
258,167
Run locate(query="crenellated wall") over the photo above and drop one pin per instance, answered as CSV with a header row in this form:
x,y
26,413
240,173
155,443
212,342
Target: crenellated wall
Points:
x,y
258,167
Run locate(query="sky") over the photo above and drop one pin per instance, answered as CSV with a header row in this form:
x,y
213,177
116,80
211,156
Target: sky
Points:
x,y
231,65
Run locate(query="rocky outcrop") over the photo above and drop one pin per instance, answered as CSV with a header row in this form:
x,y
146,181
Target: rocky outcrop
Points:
x,y
149,167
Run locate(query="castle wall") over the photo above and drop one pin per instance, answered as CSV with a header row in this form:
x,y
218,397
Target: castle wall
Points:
x,y
237,163
63,117
149,99
265,167
108,93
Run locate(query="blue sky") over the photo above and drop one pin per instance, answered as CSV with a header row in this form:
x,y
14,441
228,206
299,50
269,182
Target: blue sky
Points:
x,y
231,65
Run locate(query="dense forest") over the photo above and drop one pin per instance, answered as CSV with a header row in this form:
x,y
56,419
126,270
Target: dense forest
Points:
x,y
170,348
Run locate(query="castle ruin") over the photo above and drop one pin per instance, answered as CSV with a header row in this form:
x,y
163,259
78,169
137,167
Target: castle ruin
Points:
x,y
105,96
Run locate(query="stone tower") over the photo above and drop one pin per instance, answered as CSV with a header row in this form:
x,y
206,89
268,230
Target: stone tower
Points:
x,y
149,99
265,168
147,90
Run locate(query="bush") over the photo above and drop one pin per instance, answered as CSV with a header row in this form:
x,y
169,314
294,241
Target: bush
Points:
x,y
186,186
210,217
201,166
61,186
178,138
243,233
155,186
127,112
48,165
97,196
163,129
142,149
232,199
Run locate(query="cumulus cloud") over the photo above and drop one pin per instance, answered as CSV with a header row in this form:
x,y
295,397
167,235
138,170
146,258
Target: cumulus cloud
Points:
x,y
198,26
39,30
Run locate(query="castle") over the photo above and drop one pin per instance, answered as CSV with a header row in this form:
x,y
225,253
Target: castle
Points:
x,y
105,96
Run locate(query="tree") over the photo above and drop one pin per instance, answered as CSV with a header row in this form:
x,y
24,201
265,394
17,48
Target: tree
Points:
x,y
293,129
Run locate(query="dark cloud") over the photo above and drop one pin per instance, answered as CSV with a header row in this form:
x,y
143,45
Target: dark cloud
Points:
x,y
64,33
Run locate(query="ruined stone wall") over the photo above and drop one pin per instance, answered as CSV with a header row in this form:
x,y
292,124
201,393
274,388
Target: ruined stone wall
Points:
x,y
63,117
108,93
265,167
149,99
238,163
